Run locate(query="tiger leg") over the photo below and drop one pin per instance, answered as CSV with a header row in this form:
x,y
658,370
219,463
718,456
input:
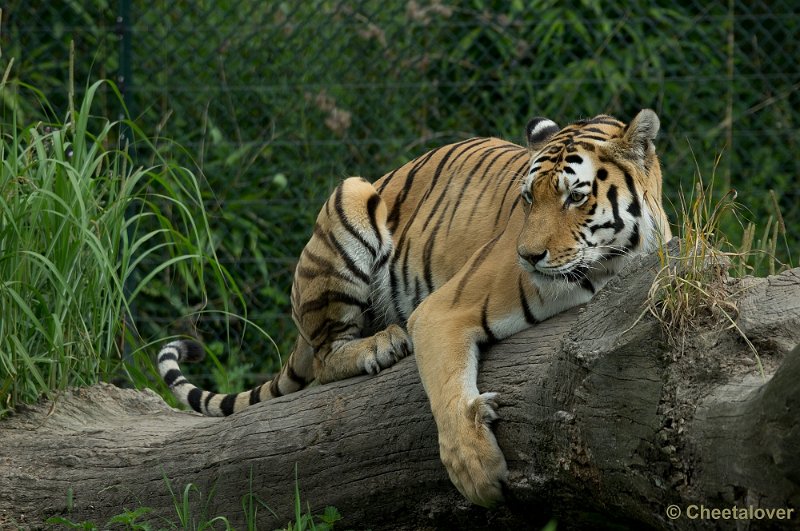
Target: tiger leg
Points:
x,y
337,285
448,329
350,357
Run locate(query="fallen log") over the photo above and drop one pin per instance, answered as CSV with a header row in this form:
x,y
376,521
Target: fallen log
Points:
x,y
603,423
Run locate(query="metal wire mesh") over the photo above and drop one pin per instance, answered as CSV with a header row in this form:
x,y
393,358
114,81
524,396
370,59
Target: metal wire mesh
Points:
x,y
276,101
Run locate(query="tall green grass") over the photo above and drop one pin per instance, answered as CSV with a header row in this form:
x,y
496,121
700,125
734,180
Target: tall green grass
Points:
x,y
78,221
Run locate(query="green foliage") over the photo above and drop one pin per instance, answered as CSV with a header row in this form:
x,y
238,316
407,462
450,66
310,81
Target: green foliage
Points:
x,y
126,520
298,95
308,521
78,219
185,505
184,509
379,83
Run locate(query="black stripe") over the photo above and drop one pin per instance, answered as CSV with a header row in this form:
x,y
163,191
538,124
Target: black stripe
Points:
x,y
339,207
465,152
516,202
473,267
169,355
593,137
416,165
612,198
309,272
468,147
577,159
592,130
487,331
556,149
602,174
518,175
496,181
255,395
385,179
171,376
274,390
569,170
505,195
329,328
634,208
417,293
587,285
372,205
617,224
458,203
330,297
327,270
348,260
526,309
585,145
381,261
406,277
634,239
209,396
319,232
427,257
293,376
605,120
194,399
465,184
395,209
318,260
226,406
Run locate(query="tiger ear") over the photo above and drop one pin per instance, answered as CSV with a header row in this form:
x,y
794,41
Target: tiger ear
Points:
x,y
636,143
539,130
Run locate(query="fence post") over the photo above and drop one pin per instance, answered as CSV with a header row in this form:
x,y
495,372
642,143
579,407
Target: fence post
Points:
x,y
125,83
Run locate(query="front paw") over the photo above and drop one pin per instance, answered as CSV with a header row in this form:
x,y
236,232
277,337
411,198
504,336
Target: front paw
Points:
x,y
388,347
470,453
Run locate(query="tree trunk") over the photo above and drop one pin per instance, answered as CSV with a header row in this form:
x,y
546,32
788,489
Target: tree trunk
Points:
x,y
602,423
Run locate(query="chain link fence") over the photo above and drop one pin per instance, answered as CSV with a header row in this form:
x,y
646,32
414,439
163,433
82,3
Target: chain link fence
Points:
x,y
275,102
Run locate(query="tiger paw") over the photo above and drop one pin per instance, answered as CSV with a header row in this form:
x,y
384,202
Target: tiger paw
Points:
x,y
391,345
470,452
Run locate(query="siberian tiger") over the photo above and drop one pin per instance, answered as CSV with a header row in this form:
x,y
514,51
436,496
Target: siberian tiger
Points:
x,y
457,249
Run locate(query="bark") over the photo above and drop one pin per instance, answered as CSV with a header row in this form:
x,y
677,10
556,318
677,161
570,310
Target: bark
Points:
x,y
602,423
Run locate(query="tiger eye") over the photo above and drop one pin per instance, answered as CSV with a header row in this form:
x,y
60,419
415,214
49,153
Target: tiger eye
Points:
x,y
576,197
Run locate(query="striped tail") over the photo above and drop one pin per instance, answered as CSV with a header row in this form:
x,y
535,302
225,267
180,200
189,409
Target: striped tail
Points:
x,y
207,402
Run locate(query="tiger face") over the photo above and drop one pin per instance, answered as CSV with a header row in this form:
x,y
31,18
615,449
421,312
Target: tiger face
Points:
x,y
587,194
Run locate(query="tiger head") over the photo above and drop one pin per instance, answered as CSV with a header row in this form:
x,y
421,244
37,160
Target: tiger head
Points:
x,y
593,195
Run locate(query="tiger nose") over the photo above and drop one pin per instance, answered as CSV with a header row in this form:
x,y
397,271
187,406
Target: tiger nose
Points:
x,y
533,258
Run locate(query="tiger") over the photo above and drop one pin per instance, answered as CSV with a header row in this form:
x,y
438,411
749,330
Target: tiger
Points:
x,y
454,251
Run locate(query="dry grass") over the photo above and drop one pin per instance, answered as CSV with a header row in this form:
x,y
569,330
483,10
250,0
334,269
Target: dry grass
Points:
x,y
693,288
